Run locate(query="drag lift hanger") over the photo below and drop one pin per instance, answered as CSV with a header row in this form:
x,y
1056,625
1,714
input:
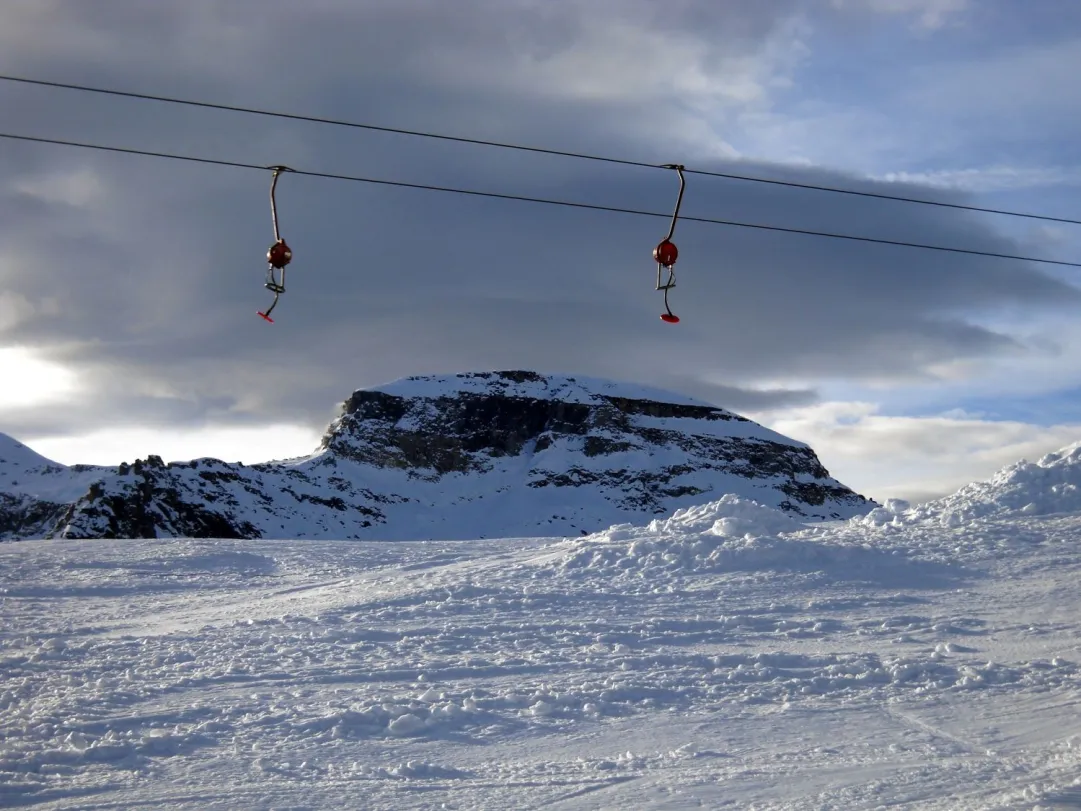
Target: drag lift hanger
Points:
x,y
279,255
666,254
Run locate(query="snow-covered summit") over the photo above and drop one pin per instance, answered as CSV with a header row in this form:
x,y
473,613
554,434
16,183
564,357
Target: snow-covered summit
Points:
x,y
531,385
25,472
493,454
34,490
14,454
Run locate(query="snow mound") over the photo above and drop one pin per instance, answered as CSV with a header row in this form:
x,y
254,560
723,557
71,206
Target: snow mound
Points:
x,y
730,534
1046,487
730,517
895,511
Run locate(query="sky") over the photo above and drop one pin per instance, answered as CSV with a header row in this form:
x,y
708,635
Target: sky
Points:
x,y
129,285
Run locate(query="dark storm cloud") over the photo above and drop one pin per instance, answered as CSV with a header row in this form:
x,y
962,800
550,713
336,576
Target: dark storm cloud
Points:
x,y
146,280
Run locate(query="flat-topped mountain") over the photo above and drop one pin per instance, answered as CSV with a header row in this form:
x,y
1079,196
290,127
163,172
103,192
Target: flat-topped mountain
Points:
x,y
491,454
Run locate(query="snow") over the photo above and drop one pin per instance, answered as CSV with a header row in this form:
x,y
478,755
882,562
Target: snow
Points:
x,y
570,389
17,454
1050,485
725,655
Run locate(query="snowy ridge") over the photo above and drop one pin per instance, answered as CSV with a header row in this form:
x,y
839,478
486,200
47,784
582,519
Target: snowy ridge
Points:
x,y
17,456
1046,487
530,385
24,472
735,534
35,491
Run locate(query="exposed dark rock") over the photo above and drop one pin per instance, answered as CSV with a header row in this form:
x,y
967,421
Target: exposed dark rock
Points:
x,y
26,516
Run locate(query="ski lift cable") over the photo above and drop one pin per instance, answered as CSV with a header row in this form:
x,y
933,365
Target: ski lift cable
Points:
x,y
524,148
538,200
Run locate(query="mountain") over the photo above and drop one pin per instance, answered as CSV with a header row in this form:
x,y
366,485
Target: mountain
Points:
x,y
492,454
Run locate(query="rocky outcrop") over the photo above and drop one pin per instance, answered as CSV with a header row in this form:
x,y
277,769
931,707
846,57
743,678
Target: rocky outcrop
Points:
x,y
466,456
147,499
23,516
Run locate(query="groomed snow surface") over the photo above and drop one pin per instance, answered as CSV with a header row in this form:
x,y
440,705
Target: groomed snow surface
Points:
x,y
724,657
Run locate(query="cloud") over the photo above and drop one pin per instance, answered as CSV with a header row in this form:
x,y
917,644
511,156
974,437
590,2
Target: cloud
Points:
x,y
14,309
430,284
144,275
991,178
31,381
246,445
1006,91
930,14
742,400
81,188
989,96
884,456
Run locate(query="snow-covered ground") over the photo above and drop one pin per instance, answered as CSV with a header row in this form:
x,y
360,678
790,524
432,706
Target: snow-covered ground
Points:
x,y
726,657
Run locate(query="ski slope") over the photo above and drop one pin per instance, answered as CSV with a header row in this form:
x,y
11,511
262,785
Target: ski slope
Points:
x,y
724,657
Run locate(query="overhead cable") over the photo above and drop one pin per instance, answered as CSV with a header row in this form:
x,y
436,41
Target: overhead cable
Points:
x,y
527,199
523,148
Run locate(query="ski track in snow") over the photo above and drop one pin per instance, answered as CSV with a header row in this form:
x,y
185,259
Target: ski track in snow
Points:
x,y
726,657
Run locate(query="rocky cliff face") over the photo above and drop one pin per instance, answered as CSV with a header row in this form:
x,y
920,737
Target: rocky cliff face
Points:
x,y
465,456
